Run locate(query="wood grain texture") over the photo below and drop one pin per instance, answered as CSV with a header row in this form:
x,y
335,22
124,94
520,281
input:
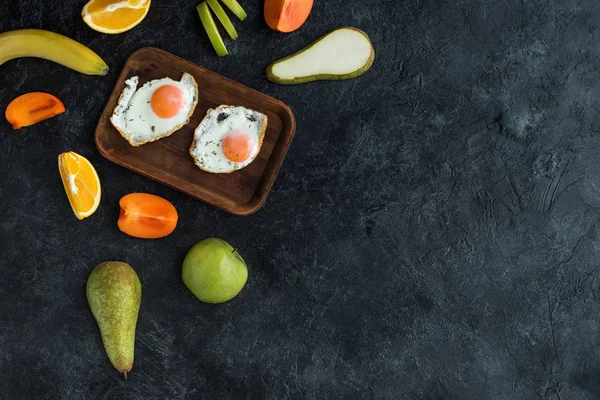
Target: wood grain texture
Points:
x,y
167,160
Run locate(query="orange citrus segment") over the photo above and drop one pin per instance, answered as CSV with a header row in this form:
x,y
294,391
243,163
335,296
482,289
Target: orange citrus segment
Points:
x,y
114,16
98,6
81,183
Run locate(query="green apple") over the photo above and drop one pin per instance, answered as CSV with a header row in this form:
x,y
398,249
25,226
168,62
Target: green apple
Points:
x,y
214,271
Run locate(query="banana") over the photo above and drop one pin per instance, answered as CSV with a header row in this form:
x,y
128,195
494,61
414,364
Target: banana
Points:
x,y
50,46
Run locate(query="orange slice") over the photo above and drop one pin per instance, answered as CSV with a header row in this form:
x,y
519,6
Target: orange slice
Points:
x,y
81,183
114,16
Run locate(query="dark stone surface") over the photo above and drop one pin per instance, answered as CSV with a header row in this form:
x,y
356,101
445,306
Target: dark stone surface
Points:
x,y
433,233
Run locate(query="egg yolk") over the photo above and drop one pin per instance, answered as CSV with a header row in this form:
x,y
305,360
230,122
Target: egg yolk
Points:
x,y
237,146
166,101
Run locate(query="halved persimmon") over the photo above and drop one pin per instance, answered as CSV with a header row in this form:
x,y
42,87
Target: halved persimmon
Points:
x,y
287,15
146,216
31,108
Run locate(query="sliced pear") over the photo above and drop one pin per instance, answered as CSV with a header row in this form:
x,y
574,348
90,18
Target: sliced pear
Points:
x,y
344,53
211,29
225,21
235,8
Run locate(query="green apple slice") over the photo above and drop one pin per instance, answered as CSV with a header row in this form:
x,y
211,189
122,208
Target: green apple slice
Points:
x,y
235,8
211,29
220,13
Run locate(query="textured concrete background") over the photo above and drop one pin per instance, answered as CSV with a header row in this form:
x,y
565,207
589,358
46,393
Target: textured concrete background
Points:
x,y
433,232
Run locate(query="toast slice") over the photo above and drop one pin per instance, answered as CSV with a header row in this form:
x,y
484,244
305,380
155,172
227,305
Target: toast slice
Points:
x,y
136,138
206,151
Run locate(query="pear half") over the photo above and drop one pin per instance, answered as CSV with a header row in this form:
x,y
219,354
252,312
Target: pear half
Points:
x,y
344,53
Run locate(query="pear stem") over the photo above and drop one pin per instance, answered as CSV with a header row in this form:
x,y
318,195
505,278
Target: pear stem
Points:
x,y
125,374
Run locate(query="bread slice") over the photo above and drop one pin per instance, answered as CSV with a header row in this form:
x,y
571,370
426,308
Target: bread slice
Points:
x,y
212,117
117,118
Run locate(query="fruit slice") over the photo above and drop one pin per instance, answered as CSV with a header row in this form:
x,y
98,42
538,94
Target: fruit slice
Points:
x,y
211,29
50,46
287,15
220,13
31,108
235,8
146,216
344,53
81,183
114,16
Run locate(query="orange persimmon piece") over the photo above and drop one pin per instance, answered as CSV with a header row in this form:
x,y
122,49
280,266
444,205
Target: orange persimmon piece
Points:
x,y
287,15
146,216
31,108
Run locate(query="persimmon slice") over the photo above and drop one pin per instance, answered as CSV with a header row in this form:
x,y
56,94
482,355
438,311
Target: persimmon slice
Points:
x,y
146,216
32,108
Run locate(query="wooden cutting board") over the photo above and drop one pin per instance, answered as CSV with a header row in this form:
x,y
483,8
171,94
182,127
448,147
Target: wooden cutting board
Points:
x,y
168,161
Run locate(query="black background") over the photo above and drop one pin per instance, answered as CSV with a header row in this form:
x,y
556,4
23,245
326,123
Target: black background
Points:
x,y
433,232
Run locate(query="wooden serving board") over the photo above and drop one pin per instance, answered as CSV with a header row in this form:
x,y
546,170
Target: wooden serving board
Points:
x,y
168,161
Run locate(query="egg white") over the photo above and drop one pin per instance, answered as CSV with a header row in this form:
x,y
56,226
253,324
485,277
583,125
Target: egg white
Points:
x,y
133,116
208,137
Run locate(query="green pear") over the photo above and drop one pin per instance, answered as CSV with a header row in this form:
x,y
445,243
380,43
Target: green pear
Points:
x,y
344,53
114,293
214,271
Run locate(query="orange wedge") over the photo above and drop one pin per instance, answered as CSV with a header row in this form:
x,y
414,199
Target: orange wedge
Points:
x,y
114,16
81,183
